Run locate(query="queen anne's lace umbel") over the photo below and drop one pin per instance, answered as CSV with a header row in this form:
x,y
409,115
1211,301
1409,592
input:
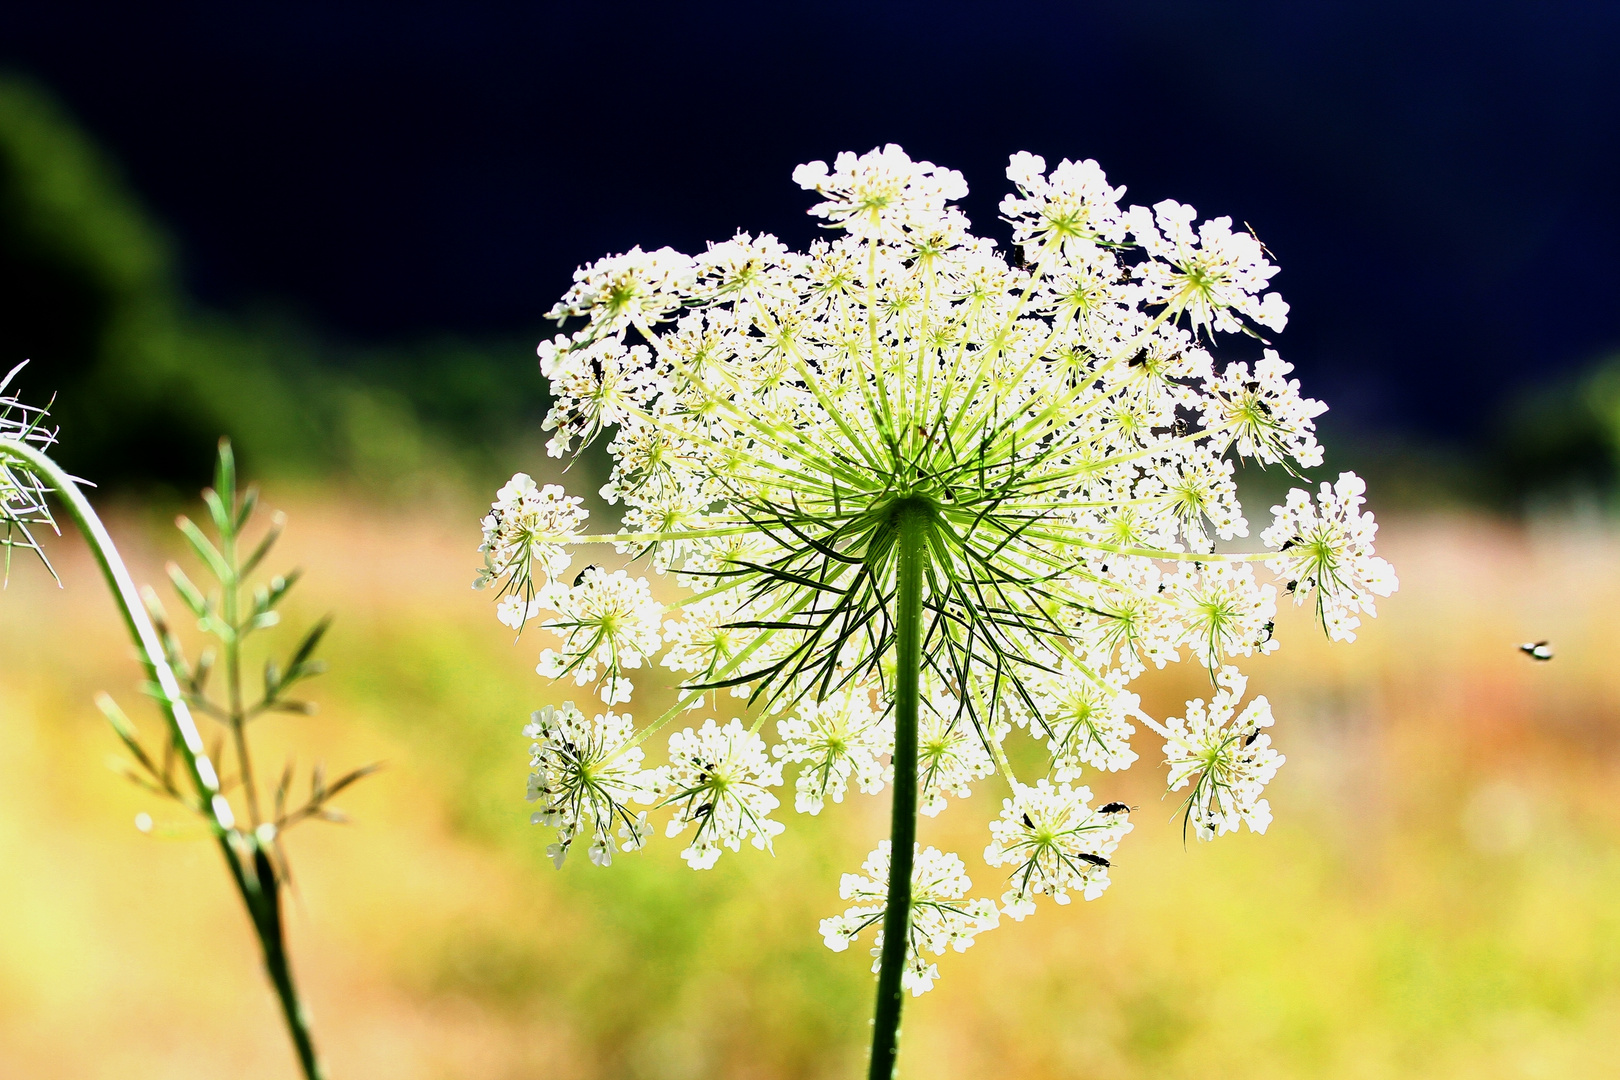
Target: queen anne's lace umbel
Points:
x,y
941,914
1057,414
584,776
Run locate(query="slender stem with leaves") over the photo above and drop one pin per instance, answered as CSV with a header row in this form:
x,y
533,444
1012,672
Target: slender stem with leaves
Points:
x,y
185,770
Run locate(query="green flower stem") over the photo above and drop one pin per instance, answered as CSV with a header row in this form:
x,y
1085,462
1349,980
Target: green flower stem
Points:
x,y
229,600
252,879
912,521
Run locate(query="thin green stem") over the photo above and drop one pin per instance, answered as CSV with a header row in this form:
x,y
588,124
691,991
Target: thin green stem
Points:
x,y
912,522
231,603
261,902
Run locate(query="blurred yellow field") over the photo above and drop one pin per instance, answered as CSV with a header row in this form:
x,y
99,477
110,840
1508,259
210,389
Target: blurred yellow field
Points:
x,y
1436,899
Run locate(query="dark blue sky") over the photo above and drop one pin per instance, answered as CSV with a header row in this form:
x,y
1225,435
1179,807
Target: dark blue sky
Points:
x,y
1440,182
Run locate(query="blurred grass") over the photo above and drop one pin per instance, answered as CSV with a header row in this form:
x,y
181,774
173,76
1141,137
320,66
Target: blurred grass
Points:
x,y
1436,900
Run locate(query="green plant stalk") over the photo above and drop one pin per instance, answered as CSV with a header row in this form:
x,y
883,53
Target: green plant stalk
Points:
x,y
230,600
262,904
912,522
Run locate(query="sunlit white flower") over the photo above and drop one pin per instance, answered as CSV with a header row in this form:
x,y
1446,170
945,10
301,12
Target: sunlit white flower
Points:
x,y
1131,618
604,384
608,623
1225,612
704,640
1017,468
1263,415
526,529
624,289
1326,551
514,611
950,754
1225,756
839,739
1198,490
1054,841
879,194
1209,274
716,780
1085,721
584,776
1070,209
941,916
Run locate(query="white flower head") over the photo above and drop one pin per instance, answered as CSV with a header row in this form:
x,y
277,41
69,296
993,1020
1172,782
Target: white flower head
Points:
x,y
584,776
608,623
941,915
514,611
1212,275
1224,611
622,290
1085,721
1055,842
1071,210
528,527
880,194
717,780
1326,552
1262,413
597,383
836,740
1225,756
1198,490
1016,467
1128,622
950,753
705,639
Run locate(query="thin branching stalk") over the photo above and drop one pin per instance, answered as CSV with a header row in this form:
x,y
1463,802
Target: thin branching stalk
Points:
x,y
912,521
245,856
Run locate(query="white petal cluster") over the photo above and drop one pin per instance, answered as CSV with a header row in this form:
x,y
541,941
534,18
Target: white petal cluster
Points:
x,y
705,640
950,753
716,781
1262,413
1085,722
585,775
1055,842
1070,209
608,623
1213,274
1227,613
1326,552
834,741
528,528
1225,756
880,195
1061,420
941,914
623,289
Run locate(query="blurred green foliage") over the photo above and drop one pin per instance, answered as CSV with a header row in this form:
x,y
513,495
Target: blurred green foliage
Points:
x,y
1561,443
146,381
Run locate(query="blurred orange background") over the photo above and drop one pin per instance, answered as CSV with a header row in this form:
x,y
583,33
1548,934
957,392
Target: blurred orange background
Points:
x,y
1436,898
